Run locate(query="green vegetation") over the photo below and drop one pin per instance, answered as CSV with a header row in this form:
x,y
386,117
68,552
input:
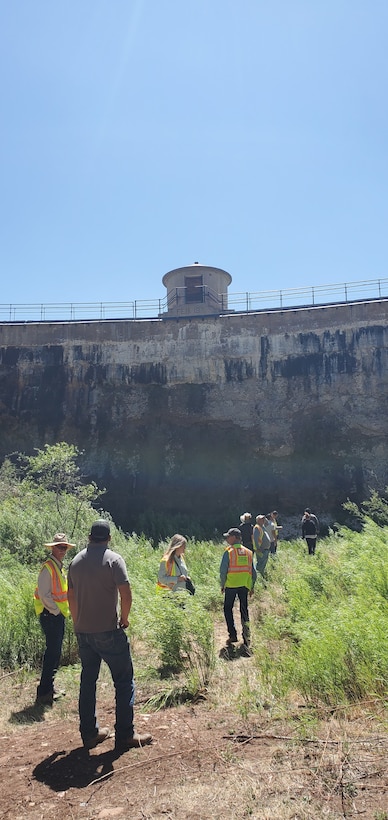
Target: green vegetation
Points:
x,y
41,495
319,625
328,619
375,507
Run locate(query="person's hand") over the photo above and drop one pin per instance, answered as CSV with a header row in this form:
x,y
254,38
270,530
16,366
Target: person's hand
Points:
x,y
124,623
182,578
222,590
251,593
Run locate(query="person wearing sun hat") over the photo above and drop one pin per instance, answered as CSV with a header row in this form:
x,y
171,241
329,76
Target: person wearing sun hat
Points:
x,y
51,605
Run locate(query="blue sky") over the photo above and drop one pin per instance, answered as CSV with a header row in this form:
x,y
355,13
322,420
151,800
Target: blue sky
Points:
x,y
142,135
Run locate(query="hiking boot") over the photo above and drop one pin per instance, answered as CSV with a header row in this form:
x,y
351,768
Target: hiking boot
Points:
x,y
246,641
92,742
136,741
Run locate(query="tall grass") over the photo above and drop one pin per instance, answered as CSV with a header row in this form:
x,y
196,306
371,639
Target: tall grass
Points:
x,y
332,645
321,626
177,627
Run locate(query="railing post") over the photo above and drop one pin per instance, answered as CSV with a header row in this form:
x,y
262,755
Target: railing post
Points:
x,y
281,298
346,293
312,290
379,289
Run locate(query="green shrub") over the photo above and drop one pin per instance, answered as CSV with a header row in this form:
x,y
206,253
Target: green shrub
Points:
x,y
335,617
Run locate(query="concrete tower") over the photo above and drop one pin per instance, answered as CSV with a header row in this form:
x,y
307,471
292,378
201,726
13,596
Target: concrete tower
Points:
x,y
196,290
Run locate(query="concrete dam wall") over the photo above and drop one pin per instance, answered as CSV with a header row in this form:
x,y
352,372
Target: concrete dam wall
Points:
x,y
206,417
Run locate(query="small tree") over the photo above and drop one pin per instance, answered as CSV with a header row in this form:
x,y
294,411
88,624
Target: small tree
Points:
x,y
375,507
54,469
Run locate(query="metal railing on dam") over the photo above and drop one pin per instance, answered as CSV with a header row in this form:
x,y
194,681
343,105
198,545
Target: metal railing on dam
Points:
x,y
283,299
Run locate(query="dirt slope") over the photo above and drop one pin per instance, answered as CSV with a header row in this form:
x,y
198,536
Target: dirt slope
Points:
x,y
206,761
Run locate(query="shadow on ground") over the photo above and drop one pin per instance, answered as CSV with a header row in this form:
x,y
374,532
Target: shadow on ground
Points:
x,y
234,652
76,769
30,714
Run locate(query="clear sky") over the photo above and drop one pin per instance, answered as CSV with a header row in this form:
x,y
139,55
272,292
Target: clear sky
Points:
x,y
142,135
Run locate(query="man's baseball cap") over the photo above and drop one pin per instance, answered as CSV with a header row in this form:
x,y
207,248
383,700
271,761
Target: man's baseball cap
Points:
x,y
233,531
100,530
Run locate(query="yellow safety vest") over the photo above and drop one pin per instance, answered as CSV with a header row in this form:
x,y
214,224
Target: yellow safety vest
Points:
x,y
260,533
160,587
58,589
240,567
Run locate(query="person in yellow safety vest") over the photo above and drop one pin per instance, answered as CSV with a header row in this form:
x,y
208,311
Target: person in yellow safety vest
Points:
x,y
237,578
173,574
51,605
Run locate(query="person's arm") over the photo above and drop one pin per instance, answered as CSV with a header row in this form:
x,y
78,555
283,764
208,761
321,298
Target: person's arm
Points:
x,y
72,604
182,569
224,569
254,578
46,593
125,593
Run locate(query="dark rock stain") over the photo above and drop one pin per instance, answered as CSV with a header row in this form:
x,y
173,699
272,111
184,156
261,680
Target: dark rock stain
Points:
x,y
237,370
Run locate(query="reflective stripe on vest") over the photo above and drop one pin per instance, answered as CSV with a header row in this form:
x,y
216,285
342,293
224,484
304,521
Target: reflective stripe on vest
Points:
x,y
58,589
240,567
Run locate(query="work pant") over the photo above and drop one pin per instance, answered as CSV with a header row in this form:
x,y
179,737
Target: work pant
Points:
x,y
113,648
311,544
230,597
261,560
53,627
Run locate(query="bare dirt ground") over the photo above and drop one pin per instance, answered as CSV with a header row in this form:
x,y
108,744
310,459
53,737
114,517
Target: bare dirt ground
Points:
x,y
206,760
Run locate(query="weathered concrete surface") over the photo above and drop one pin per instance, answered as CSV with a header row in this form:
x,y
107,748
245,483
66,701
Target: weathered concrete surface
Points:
x,y
208,416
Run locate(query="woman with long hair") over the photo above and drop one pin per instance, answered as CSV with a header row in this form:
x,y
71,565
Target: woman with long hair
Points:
x,y
173,572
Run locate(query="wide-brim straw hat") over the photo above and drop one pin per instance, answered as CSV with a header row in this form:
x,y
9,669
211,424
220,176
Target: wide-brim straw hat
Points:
x,y
59,539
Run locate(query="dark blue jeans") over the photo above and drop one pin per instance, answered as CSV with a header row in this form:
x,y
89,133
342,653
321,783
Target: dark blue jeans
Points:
x,y
114,649
54,629
230,597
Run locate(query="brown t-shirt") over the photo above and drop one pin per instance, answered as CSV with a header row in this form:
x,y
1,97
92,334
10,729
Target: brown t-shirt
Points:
x,y
94,575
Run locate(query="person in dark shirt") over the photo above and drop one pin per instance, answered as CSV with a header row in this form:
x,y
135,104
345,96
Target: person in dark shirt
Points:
x,y
309,531
313,517
246,529
97,584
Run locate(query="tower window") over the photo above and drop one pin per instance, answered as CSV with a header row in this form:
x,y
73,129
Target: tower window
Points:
x,y
194,289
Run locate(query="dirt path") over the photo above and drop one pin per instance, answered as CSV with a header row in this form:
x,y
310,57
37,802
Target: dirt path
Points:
x,y
209,760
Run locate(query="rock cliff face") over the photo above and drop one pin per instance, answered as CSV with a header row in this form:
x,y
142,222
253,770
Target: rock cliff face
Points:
x,y
208,417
